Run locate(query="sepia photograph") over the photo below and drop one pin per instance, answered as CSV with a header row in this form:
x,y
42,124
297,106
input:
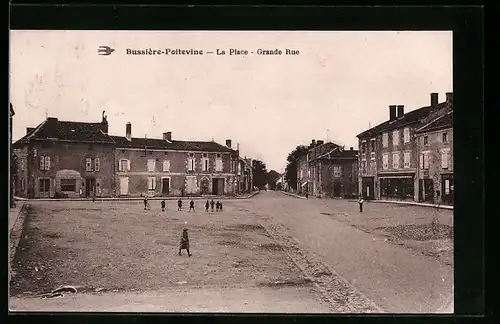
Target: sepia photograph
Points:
x,y
231,171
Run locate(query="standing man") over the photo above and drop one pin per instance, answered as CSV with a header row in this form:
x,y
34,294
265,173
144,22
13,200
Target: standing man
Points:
x,y
360,202
191,205
179,204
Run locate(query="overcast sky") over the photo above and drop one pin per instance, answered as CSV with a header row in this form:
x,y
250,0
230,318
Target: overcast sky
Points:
x,y
341,81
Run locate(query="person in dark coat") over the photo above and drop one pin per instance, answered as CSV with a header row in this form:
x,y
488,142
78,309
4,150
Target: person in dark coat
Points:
x,y
146,204
191,205
184,245
220,206
207,205
179,204
212,203
217,206
360,202
163,205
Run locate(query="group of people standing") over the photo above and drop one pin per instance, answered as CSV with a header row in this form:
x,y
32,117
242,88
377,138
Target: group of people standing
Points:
x,y
208,205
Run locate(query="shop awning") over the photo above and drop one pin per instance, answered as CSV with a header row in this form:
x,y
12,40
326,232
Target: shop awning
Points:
x,y
396,177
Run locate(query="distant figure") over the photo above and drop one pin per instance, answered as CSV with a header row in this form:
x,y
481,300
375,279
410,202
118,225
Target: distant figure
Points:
x,y
212,203
207,205
307,195
146,203
163,205
184,245
360,202
217,206
220,206
191,205
179,204
93,197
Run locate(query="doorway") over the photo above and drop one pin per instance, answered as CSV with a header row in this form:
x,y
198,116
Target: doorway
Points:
x,y
218,187
447,188
165,186
336,189
204,186
367,187
124,186
89,187
426,190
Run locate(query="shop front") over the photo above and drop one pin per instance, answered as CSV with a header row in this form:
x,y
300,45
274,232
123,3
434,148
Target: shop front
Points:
x,y
397,187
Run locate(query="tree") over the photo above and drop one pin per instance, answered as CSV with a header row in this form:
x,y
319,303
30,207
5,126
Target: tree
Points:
x,y
259,173
272,177
291,167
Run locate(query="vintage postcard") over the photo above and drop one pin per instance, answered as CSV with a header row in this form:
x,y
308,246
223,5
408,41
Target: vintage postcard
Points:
x,y
231,171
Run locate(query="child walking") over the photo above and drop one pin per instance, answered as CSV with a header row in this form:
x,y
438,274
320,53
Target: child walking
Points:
x,y
191,205
217,206
220,206
163,205
184,245
360,202
212,203
179,204
207,204
146,204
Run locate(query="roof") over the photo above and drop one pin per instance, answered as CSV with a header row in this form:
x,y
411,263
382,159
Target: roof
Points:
x,y
54,129
155,143
342,154
409,118
442,122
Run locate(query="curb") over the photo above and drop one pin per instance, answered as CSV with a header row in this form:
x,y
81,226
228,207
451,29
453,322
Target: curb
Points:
x,y
140,198
410,204
292,195
15,236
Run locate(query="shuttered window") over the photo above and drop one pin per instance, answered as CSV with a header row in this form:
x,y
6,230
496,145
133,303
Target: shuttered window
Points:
x,y
97,164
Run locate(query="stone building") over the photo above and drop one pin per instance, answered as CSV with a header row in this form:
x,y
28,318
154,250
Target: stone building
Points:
x,y
79,159
65,159
167,167
13,173
388,152
244,175
435,172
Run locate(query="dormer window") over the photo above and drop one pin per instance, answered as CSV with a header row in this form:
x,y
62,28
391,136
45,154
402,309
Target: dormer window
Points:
x,y
191,155
205,155
218,155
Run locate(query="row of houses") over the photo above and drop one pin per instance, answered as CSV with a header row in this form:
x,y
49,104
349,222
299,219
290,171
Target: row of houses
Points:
x,y
80,159
407,157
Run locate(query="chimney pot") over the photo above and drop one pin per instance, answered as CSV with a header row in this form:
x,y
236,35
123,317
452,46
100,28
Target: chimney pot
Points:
x,y
434,99
401,111
350,148
167,136
228,143
392,112
320,142
128,131
449,97
313,142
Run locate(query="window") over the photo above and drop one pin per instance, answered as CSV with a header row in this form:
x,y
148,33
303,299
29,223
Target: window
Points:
x,y
445,138
309,173
395,161
395,138
44,185
23,184
363,148
190,164
42,163
363,164
407,162
88,164
190,155
426,140
301,174
445,159
406,135
151,183
151,165
219,155
124,165
205,155
447,186
337,171
22,164
97,164
424,161
166,166
363,157
204,164
372,144
385,140
372,156
218,164
385,161
68,184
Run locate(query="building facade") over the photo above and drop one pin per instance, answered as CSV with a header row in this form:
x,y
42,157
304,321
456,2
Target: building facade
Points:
x,y
389,152
244,175
65,159
435,172
75,159
13,157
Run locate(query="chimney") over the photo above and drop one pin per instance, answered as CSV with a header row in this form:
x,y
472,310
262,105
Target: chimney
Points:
x,y
104,123
228,143
29,130
128,131
313,142
434,99
401,111
449,97
320,142
167,136
351,148
392,112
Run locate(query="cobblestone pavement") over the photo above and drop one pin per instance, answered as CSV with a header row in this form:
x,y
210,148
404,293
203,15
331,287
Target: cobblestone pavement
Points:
x,y
395,278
